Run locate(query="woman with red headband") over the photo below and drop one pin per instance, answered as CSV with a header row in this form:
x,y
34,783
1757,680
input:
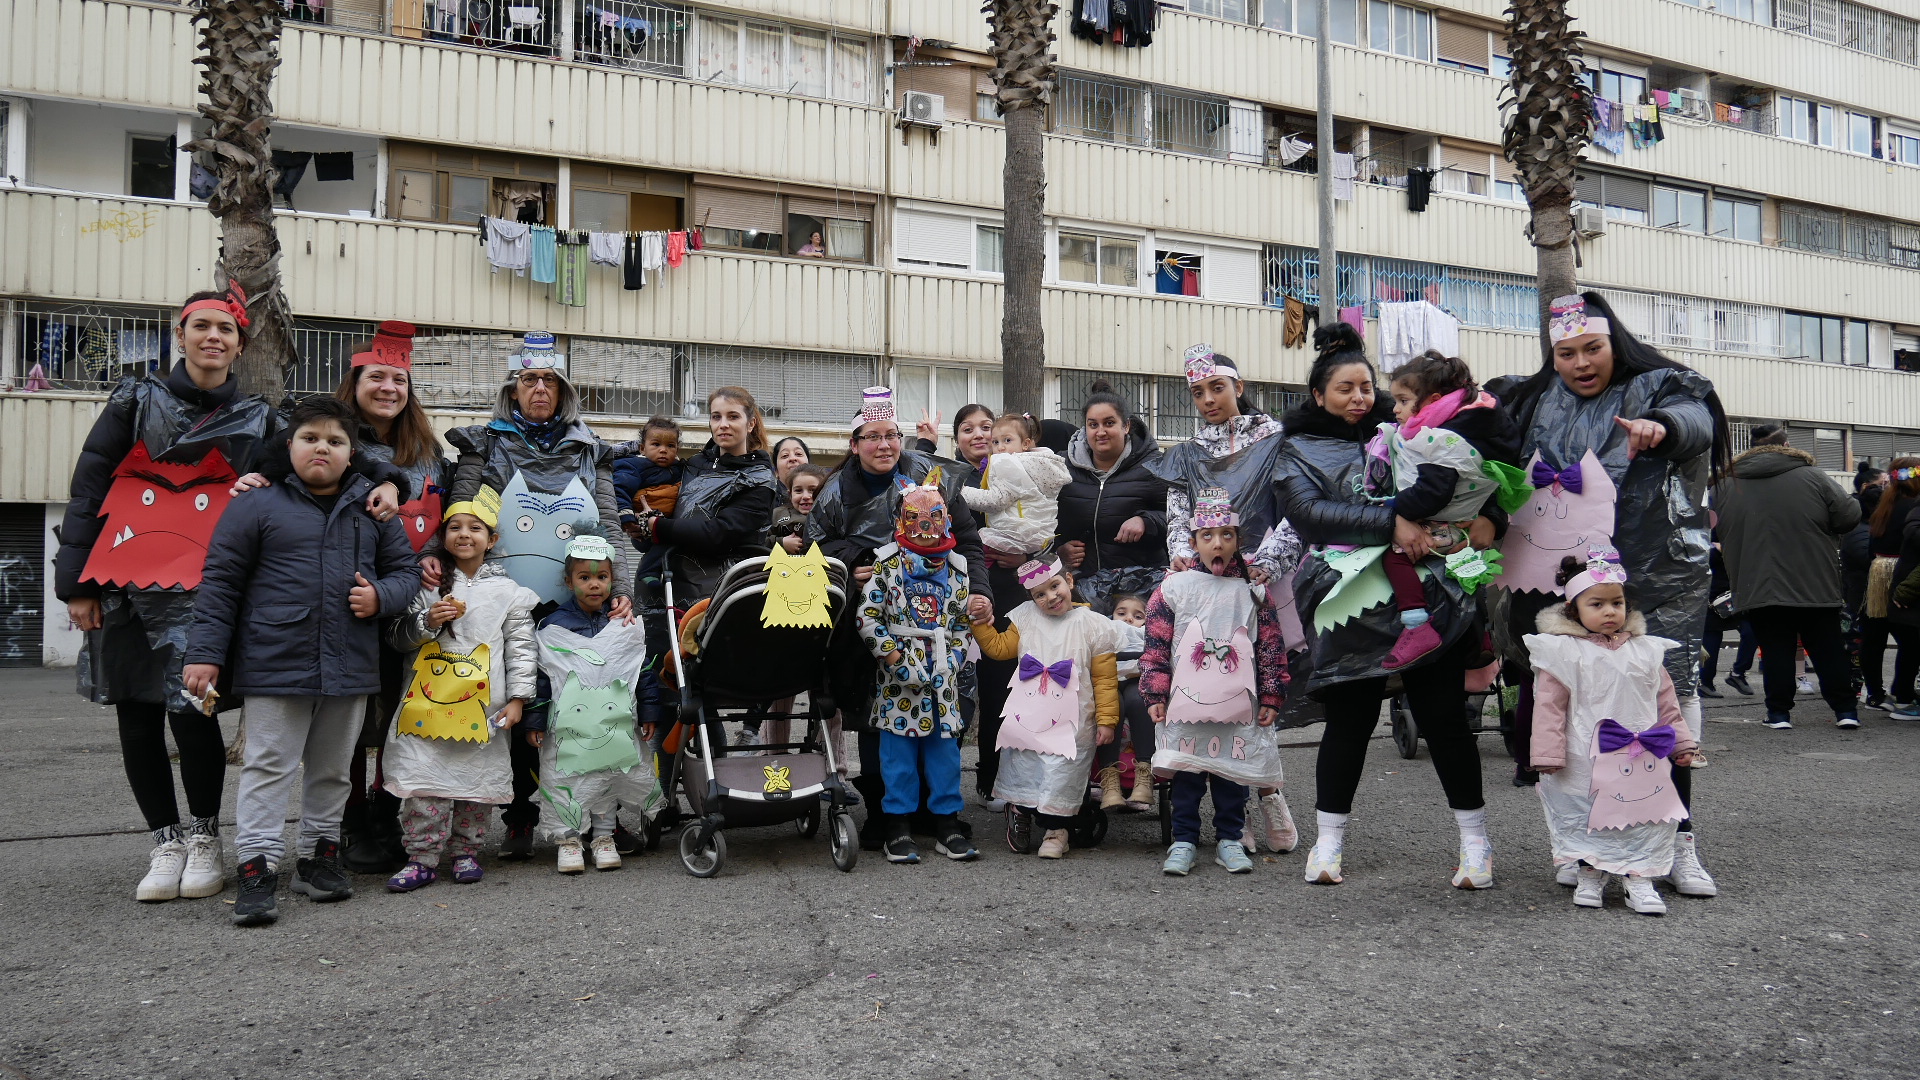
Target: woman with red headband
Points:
x,y
156,472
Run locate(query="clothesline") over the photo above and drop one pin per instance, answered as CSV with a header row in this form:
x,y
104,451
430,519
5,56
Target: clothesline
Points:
x,y
562,257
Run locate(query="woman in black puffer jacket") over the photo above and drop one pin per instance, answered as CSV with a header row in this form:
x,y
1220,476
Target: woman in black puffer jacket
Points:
x,y
1113,514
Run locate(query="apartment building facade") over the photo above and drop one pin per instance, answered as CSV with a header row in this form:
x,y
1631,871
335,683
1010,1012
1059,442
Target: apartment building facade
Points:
x,y
841,159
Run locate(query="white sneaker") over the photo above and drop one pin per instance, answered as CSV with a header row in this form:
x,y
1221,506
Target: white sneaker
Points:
x,y
1323,864
996,806
163,873
743,737
205,874
1567,874
573,860
1476,865
1281,835
605,855
1688,877
1643,897
1590,886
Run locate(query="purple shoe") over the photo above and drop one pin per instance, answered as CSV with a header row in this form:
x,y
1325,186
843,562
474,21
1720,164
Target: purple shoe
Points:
x,y
414,875
466,870
1415,642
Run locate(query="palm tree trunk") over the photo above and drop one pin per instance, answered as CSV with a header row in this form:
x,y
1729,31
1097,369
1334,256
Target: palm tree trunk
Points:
x,y
240,50
1548,125
1021,34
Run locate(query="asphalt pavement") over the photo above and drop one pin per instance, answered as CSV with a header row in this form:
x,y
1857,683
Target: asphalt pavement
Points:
x,y
1094,966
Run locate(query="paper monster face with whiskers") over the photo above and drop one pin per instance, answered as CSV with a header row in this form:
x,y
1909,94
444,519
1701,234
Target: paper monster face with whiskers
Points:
x,y
449,695
593,727
796,592
534,530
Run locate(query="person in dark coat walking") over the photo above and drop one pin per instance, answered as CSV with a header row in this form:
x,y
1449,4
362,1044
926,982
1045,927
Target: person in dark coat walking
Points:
x,y
1781,519
297,578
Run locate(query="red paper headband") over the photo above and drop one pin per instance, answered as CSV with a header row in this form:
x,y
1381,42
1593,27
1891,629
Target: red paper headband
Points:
x,y
234,304
392,346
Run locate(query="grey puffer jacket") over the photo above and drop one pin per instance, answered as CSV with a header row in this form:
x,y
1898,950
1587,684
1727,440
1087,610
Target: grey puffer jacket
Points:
x,y
1781,520
273,602
1318,476
490,455
1660,518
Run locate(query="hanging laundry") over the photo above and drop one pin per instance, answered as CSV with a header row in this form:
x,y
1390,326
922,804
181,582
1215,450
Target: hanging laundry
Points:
x,y
573,262
676,249
1662,98
1295,332
1343,177
1419,188
544,255
1292,149
1609,129
653,250
697,240
1127,23
509,244
604,247
1409,329
1356,317
634,274
36,380
331,167
292,166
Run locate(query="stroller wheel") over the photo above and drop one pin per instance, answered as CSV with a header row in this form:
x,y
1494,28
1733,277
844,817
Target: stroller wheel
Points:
x,y
844,841
706,862
1089,827
809,825
1406,737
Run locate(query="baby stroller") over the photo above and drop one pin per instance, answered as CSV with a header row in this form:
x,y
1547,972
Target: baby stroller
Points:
x,y
736,669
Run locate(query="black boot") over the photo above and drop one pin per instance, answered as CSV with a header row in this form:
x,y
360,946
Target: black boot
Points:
x,y
873,833
363,849
383,820
952,839
900,846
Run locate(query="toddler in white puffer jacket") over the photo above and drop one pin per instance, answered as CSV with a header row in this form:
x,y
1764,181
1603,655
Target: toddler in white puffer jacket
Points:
x,y
1020,491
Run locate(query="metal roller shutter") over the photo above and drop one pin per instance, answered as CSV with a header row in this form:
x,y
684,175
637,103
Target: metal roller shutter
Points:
x,y
844,209
1466,158
1235,275
23,568
933,239
733,208
1461,43
1873,446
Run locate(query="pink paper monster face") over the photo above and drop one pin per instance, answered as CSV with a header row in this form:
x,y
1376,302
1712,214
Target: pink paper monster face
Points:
x,y
1571,510
1633,785
1043,711
1212,680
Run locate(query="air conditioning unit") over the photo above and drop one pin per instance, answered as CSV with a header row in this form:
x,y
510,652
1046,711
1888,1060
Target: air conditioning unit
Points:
x,y
1590,221
920,107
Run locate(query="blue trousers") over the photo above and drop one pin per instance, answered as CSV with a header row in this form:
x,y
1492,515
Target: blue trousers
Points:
x,y
905,760
1229,806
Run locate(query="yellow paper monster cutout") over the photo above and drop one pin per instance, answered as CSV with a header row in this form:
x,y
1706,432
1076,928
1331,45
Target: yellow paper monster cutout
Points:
x,y
448,696
796,589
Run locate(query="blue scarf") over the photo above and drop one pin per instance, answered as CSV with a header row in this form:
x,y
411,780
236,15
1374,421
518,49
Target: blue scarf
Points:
x,y
543,435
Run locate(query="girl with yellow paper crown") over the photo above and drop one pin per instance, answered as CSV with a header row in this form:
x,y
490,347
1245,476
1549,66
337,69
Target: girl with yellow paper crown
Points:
x,y
474,669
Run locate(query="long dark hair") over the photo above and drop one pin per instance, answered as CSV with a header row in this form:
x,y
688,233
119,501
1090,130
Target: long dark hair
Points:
x,y
1338,346
1893,493
411,436
1631,357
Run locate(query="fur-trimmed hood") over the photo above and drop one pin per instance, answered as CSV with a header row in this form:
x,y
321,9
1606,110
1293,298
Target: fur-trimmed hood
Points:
x,y
1554,620
1771,460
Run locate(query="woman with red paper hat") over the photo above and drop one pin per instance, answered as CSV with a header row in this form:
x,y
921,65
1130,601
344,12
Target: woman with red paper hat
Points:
x,y
393,428
156,472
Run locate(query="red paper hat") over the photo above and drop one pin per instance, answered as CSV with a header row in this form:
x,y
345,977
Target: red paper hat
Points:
x,y
159,520
392,346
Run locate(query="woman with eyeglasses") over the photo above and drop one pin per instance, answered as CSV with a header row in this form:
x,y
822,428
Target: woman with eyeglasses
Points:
x,y
853,517
554,477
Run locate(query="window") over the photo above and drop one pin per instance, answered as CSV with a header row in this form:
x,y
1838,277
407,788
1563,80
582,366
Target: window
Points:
x,y
1863,134
1678,208
622,378
1625,198
1811,337
608,198
1501,67
1857,349
773,56
1098,109
599,211
1736,219
809,226
459,186
1177,273
1904,149
946,241
828,229
1460,45
150,169
1615,86
13,142
1190,124
1099,260
923,390
1398,29
789,385
1847,24
1233,10
1342,26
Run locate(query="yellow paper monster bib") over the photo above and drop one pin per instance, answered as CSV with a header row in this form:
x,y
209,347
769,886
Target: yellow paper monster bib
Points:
x,y
448,696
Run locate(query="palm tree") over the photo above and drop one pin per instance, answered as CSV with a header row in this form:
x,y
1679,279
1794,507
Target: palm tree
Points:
x,y
1021,36
240,49
1548,126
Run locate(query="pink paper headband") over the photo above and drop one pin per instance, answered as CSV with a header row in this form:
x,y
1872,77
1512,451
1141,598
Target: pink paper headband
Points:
x,y
1203,363
1603,568
1034,571
234,304
1570,319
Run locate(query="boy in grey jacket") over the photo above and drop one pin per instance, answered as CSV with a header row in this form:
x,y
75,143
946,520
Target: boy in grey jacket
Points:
x,y
297,578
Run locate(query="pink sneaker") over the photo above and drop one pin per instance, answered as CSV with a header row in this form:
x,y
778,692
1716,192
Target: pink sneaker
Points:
x,y
1415,642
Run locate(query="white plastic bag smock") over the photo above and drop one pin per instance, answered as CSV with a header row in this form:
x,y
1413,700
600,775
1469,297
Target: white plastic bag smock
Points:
x,y
1056,785
572,799
1622,685
472,771
1219,613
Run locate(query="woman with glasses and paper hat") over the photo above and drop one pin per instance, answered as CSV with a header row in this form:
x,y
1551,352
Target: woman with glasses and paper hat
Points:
x,y
554,478
1622,442
857,514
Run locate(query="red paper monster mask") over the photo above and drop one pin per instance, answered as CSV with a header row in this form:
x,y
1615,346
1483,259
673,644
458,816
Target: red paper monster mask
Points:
x,y
159,520
421,516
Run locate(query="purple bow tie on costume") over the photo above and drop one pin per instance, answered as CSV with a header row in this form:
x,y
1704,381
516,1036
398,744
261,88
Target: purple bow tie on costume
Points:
x,y
1658,741
1568,478
1031,668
